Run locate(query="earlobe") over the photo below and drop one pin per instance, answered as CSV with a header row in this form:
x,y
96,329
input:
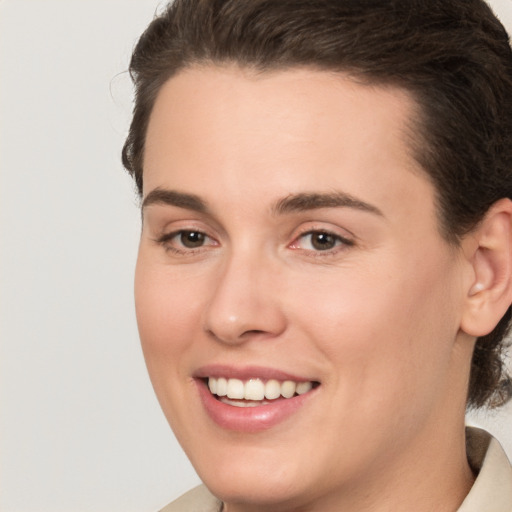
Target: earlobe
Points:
x,y
489,247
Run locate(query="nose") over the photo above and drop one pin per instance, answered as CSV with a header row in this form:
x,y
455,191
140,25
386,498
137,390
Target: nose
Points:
x,y
245,302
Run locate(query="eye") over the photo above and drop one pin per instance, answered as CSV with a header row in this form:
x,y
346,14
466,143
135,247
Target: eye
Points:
x,y
191,239
185,240
320,241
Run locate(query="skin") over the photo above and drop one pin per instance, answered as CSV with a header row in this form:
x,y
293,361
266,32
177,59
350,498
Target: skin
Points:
x,y
380,319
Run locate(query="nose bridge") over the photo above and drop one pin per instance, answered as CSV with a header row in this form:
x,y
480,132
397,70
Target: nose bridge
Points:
x,y
243,301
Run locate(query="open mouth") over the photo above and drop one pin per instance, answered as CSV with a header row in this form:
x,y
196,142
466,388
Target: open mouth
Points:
x,y
256,392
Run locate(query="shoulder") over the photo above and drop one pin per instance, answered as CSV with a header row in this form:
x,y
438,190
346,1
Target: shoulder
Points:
x,y
198,499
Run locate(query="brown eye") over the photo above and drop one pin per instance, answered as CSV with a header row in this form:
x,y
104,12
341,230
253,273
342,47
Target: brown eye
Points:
x,y
192,239
186,242
323,241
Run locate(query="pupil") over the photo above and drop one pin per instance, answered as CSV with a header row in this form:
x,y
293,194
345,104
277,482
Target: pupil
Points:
x,y
192,239
323,241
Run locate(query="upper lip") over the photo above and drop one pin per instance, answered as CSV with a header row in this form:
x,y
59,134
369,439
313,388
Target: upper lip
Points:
x,y
247,372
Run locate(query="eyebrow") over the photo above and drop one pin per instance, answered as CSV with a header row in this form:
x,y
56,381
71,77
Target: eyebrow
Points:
x,y
314,201
292,203
175,198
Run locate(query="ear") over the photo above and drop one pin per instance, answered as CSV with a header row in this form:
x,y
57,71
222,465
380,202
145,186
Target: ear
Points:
x,y
488,249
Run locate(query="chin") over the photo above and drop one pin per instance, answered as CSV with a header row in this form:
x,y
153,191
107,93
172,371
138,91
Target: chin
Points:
x,y
257,477
268,492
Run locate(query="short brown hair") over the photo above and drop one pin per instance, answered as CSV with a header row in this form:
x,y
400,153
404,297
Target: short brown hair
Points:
x,y
452,56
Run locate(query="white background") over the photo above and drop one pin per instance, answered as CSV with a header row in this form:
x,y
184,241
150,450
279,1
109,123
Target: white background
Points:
x,y
80,429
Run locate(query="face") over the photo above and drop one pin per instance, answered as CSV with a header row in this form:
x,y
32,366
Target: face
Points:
x,y
291,261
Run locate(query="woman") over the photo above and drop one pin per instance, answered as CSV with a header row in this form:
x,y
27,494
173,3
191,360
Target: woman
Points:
x,y
324,277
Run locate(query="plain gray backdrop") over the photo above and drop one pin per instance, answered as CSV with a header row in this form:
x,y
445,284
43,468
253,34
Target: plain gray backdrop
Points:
x,y
80,428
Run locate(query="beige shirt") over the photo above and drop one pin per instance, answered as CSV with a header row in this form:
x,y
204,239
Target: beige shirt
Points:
x,y
491,492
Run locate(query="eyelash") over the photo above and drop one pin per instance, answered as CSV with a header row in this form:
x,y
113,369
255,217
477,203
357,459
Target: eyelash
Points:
x,y
166,239
339,241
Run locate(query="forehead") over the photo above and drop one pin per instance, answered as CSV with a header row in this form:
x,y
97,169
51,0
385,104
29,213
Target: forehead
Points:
x,y
307,103
282,131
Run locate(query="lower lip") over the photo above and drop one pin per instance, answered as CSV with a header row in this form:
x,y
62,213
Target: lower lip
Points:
x,y
250,419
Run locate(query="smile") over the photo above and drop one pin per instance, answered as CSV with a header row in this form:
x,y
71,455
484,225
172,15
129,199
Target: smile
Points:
x,y
253,398
255,392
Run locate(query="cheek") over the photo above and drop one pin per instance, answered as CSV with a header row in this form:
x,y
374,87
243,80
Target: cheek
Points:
x,y
166,316
389,332
168,322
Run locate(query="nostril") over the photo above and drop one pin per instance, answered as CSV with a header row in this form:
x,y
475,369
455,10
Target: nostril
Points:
x,y
252,332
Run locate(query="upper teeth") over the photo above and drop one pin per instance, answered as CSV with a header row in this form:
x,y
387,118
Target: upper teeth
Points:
x,y
256,389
